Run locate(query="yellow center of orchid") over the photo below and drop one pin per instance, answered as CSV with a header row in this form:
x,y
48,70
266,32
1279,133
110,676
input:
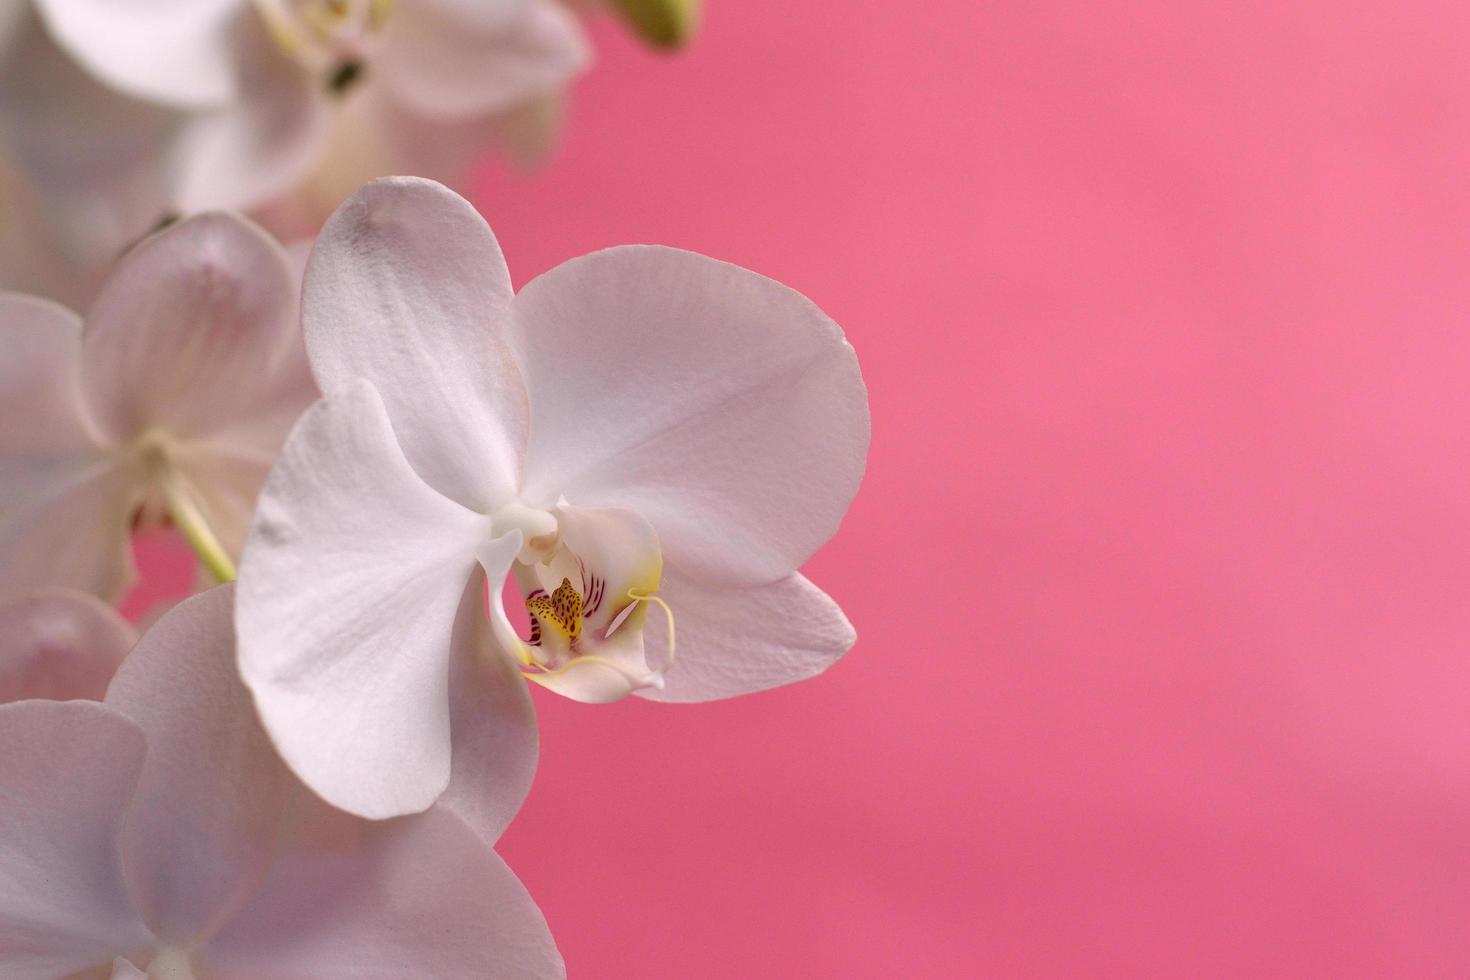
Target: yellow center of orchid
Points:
x,y
332,38
167,498
561,611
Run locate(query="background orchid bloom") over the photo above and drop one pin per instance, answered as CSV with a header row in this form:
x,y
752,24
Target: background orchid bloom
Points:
x,y
84,171
158,832
167,405
60,645
279,91
641,425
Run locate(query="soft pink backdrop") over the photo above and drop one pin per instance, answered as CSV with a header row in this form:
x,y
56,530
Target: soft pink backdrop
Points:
x,y
1161,570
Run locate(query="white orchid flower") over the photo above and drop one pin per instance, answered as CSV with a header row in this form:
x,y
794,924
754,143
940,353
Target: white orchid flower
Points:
x,y
271,85
60,645
158,834
166,406
638,426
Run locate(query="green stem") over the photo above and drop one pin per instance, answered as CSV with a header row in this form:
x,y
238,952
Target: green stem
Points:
x,y
195,528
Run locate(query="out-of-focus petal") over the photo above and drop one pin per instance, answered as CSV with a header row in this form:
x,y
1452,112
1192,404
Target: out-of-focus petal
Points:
x,y
64,524
443,68
407,287
124,970
66,776
492,720
418,897
87,173
60,646
176,52
262,144
194,324
737,641
722,406
64,496
204,819
41,397
477,15
350,583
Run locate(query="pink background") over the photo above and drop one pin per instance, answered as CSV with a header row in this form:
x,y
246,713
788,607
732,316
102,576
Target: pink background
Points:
x,y
1161,569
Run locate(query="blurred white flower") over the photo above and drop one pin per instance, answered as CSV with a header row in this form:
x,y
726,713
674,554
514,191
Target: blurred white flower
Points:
x,y
328,92
167,406
641,425
60,645
84,171
158,834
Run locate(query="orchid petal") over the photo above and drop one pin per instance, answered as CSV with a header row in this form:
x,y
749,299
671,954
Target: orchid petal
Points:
x,y
177,52
477,15
492,720
417,897
70,528
737,641
124,970
722,406
92,168
60,646
349,587
592,680
38,380
66,775
64,497
262,144
192,324
405,287
442,67
203,822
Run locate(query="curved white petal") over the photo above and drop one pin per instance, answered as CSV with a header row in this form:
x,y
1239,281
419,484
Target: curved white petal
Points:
x,y
177,52
407,287
723,407
191,330
67,772
260,145
492,720
442,67
60,646
200,832
349,586
737,641
417,897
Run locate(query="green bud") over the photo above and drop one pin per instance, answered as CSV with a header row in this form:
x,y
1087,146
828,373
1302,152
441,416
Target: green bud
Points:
x,y
662,23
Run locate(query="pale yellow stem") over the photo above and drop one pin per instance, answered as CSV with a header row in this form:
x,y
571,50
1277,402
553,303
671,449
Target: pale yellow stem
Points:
x,y
191,523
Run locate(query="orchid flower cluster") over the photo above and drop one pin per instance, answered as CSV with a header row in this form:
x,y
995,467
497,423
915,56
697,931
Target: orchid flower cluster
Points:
x,y
301,771
117,116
